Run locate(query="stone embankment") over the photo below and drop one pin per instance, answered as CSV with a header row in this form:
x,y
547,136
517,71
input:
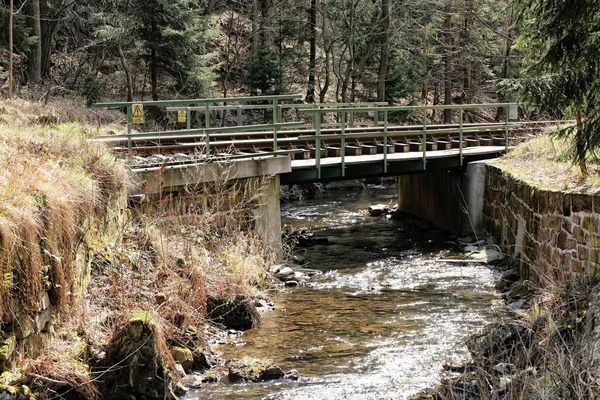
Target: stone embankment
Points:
x,y
555,236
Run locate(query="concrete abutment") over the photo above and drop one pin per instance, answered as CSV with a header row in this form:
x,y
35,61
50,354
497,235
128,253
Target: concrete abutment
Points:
x,y
451,199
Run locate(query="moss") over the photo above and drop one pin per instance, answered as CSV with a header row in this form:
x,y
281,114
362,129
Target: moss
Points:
x,y
145,317
7,346
13,391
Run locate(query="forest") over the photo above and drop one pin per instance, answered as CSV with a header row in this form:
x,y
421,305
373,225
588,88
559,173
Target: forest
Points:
x,y
423,51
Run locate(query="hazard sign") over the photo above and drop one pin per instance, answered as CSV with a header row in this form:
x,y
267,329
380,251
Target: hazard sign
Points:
x,y
182,116
137,113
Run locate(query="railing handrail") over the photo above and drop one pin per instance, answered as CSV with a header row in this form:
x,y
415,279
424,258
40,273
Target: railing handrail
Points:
x,y
184,132
436,132
282,105
409,108
162,103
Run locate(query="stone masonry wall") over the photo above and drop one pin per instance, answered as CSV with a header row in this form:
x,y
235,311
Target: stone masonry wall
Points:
x,y
554,235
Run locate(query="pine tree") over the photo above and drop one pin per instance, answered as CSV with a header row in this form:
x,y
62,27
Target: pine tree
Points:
x,y
168,35
564,42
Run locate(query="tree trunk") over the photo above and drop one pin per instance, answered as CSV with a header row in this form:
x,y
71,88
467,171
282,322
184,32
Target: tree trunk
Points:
x,y
10,50
582,164
447,63
255,37
505,62
153,75
312,63
468,22
34,63
127,73
385,50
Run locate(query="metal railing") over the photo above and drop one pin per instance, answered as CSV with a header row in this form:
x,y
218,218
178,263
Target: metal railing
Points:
x,y
343,136
280,108
205,102
345,117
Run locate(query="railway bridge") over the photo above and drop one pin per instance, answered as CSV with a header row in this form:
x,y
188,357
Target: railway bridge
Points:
x,y
304,143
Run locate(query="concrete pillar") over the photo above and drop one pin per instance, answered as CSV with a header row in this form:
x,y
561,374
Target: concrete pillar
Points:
x,y
450,199
474,188
267,214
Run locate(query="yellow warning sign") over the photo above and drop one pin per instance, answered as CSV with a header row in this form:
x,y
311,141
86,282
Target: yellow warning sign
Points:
x,y
182,116
137,113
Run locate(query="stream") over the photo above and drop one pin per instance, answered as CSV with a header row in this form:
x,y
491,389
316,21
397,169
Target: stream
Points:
x,y
380,320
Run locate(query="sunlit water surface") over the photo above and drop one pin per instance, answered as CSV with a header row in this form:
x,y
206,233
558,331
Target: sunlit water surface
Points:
x,y
381,319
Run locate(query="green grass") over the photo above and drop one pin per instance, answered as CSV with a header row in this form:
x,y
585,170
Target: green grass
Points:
x,y
541,163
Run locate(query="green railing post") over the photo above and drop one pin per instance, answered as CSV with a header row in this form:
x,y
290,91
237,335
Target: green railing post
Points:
x,y
240,116
188,118
207,126
343,143
275,121
506,120
424,140
460,137
385,141
207,115
129,127
351,116
318,143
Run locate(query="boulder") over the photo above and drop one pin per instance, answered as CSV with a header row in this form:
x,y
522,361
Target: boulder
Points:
x,y
378,210
292,375
192,381
138,362
250,369
274,269
285,273
183,356
236,313
273,372
299,259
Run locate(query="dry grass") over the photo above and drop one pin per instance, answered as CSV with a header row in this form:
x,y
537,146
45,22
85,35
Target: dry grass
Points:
x,y
53,183
58,194
538,162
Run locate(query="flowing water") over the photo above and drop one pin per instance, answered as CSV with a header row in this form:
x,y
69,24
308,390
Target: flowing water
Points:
x,y
381,319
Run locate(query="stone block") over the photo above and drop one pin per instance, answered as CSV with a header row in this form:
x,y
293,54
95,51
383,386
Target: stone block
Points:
x,y
588,223
555,222
567,225
565,261
581,202
567,200
555,260
562,240
578,234
577,267
595,255
583,253
576,219
555,202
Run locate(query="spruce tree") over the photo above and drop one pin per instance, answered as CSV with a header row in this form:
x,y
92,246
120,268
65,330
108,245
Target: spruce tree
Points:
x,y
169,38
563,39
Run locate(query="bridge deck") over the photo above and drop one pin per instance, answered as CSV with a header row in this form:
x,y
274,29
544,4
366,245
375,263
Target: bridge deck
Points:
x,y
395,157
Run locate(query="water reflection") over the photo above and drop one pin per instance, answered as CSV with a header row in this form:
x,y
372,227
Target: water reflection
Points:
x,y
379,321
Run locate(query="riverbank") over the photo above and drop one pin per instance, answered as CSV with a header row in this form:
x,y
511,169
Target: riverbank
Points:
x,y
543,214
101,298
